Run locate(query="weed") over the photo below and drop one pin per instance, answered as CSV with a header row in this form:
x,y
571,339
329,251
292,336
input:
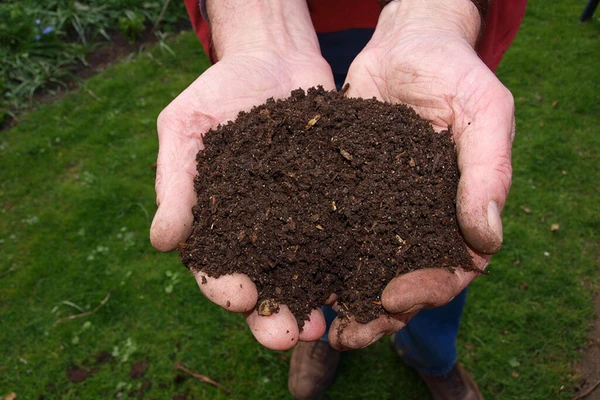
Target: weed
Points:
x,y
42,42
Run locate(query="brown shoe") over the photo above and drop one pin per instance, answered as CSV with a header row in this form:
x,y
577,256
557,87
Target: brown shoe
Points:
x,y
312,369
456,385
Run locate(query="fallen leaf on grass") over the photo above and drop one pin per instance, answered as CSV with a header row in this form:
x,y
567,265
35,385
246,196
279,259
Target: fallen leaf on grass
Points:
x,y
138,369
554,103
515,374
526,209
554,227
11,396
77,374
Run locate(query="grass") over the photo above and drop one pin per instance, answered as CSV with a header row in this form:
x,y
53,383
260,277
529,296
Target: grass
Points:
x,y
76,201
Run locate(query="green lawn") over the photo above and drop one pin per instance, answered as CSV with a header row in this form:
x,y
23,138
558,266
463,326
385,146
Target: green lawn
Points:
x,y
77,198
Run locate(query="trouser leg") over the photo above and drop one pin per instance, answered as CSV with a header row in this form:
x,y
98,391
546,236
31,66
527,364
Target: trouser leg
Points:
x,y
428,342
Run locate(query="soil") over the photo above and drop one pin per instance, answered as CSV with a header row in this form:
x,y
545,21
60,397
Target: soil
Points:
x,y
589,368
138,369
322,194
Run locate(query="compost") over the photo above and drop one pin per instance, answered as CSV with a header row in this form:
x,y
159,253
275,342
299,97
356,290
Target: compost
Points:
x,y
319,194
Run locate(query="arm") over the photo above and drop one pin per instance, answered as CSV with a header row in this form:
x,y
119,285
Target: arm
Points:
x,y
422,54
264,49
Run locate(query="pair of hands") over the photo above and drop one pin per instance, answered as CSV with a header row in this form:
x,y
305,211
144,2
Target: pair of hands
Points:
x,y
422,55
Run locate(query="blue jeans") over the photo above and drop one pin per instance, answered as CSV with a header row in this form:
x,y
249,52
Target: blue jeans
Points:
x,y
428,342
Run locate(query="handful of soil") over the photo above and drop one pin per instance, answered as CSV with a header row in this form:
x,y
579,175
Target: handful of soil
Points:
x,y
320,194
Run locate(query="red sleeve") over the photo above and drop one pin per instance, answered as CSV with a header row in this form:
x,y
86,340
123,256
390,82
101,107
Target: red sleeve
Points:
x,y
200,27
501,25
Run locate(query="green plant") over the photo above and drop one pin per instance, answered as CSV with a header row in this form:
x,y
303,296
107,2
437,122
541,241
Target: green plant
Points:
x,y
42,43
16,26
131,25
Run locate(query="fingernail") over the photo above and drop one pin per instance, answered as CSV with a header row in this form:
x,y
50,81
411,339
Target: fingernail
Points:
x,y
495,222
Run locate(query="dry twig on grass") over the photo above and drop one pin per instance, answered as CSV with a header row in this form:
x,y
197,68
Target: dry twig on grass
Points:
x,y
201,378
587,392
160,16
83,314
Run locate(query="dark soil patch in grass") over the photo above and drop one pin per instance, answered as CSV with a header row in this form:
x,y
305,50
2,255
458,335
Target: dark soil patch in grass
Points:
x,y
322,194
138,369
76,374
589,367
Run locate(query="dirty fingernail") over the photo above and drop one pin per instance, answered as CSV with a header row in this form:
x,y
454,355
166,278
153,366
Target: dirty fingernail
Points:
x,y
495,222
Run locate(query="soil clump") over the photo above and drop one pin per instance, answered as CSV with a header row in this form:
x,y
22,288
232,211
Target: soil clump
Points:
x,y
319,194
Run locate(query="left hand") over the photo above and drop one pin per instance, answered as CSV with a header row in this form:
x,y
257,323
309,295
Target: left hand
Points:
x,y
422,55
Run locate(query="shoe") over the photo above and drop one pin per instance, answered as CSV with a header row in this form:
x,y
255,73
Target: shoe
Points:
x,y
312,369
455,385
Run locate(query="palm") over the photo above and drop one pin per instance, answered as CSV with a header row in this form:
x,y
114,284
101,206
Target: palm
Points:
x,y
218,95
447,84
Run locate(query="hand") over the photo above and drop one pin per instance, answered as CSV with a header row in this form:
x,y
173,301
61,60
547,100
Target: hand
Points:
x,y
422,55
263,53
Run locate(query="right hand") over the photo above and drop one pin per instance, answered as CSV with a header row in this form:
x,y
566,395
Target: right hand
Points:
x,y
237,82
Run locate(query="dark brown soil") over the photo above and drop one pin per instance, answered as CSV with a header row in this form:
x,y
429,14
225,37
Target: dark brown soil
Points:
x,y
322,194
76,374
138,369
588,369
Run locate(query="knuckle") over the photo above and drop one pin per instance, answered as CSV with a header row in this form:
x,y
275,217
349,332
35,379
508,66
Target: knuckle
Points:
x,y
503,171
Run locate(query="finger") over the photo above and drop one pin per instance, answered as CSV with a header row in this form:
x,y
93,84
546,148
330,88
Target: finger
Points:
x,y
278,331
331,300
484,159
233,292
172,223
425,288
347,333
175,172
314,327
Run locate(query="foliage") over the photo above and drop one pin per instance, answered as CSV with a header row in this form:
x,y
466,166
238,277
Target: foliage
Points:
x,y
41,42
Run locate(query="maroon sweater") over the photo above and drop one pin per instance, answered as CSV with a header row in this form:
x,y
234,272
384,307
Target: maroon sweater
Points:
x,y
501,25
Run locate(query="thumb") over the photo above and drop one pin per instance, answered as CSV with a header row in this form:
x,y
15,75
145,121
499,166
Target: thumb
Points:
x,y
175,172
484,160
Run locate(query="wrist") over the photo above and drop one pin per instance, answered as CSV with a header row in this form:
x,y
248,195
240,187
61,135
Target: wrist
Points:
x,y
457,18
254,25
